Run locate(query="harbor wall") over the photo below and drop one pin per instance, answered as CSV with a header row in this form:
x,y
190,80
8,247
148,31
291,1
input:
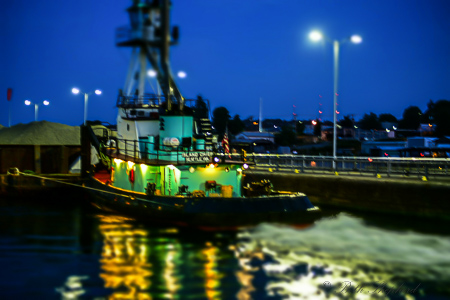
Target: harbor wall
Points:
x,y
39,159
384,195
58,186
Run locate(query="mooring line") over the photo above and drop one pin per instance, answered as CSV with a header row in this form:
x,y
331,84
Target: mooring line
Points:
x,y
93,189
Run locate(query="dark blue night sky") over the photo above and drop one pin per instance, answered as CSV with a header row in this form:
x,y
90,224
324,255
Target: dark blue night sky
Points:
x,y
234,53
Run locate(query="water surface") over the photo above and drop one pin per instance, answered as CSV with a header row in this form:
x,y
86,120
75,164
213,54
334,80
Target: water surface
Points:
x,y
52,251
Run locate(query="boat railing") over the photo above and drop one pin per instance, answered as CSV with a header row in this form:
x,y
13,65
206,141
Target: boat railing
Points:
x,y
149,100
151,35
407,167
148,152
146,100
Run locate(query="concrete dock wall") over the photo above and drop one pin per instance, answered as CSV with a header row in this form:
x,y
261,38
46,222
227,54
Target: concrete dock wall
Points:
x,y
39,159
397,196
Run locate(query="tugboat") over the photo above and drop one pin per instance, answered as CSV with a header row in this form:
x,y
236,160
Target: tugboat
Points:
x,y
163,164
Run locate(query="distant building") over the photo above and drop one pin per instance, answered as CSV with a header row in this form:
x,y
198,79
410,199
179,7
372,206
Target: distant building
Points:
x,y
382,148
420,142
389,125
443,142
426,129
254,141
362,134
256,135
309,129
427,147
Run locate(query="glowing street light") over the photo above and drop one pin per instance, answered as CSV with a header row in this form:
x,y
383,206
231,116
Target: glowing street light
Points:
x,y
315,36
356,39
152,73
182,74
76,91
36,107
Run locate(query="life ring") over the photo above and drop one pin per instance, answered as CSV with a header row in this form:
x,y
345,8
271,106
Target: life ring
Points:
x,y
131,176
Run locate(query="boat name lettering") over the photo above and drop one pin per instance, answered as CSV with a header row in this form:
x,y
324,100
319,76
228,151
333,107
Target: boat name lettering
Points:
x,y
197,156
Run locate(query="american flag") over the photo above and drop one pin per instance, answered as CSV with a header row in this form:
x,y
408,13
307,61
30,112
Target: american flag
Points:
x,y
226,144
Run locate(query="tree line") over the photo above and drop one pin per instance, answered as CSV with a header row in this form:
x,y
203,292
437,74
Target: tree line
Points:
x,y
437,114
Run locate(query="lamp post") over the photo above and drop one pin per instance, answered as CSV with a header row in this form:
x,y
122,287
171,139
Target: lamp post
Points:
x,y
76,91
356,39
36,107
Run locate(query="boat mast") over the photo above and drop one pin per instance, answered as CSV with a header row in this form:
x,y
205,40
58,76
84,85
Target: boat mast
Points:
x,y
150,38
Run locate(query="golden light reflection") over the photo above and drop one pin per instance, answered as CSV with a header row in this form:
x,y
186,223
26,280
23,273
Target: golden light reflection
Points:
x,y
128,257
212,276
139,263
169,273
123,260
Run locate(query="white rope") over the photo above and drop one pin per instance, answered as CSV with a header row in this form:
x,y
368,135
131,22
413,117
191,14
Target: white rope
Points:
x,y
93,189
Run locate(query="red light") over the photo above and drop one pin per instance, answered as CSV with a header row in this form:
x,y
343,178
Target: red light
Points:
x,y
421,154
337,112
9,94
385,154
320,111
369,159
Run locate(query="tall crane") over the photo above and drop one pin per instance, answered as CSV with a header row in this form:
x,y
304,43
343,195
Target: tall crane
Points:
x,y
150,37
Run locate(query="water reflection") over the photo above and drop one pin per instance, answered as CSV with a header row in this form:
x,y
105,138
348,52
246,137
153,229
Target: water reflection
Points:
x,y
139,262
83,255
343,258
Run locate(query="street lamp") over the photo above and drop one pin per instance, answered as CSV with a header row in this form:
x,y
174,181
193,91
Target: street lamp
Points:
x,y
36,107
76,91
356,39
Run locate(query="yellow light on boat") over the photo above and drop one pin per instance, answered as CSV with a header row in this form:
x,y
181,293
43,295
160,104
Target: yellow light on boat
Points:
x,y
143,168
239,170
118,161
227,169
192,169
211,166
130,164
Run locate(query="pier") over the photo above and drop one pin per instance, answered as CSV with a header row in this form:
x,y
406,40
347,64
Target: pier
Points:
x,y
392,196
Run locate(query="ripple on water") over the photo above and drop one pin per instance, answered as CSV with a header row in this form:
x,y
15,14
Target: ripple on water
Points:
x,y
354,259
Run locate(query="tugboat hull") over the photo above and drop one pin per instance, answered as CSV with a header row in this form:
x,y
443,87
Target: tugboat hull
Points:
x,y
203,211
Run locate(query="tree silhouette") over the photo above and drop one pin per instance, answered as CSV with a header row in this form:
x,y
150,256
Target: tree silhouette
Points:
x,y
370,121
441,117
411,118
387,118
300,127
347,122
236,125
200,108
220,120
286,137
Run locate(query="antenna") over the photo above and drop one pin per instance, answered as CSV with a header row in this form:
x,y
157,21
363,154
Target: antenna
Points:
x,y
260,115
